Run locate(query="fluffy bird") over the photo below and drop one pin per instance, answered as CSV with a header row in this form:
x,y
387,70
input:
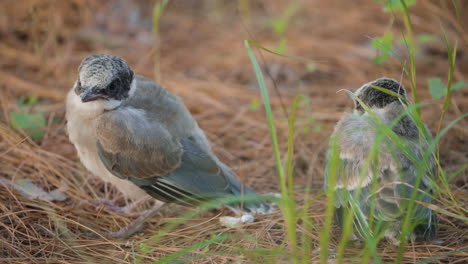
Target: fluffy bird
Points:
x,y
387,183
138,136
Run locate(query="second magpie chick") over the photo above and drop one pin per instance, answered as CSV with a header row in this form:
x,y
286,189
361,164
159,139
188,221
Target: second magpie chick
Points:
x,y
380,191
140,137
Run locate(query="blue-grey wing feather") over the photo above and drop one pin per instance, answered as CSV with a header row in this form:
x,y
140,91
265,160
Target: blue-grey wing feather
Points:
x,y
130,146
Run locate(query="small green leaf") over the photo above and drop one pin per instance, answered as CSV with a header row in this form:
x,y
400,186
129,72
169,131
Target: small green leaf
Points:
x,y
396,5
27,101
436,88
425,38
254,104
459,85
311,67
380,59
279,26
384,45
32,124
308,124
281,48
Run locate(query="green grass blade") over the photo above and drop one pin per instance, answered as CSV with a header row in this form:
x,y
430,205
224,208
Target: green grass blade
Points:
x,y
173,257
290,203
157,13
412,53
269,114
253,43
355,214
457,9
331,172
448,94
434,258
147,249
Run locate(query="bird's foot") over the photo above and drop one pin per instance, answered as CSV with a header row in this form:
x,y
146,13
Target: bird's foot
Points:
x,y
269,206
331,254
393,237
111,206
273,205
229,221
356,241
137,224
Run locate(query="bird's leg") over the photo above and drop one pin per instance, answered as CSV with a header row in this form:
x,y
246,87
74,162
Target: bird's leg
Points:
x,y
137,224
393,237
356,241
128,209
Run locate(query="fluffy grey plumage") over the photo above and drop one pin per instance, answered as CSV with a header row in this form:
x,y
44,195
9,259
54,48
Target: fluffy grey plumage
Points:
x,y
140,137
394,174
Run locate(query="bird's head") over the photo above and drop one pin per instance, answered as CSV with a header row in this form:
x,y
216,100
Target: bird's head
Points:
x,y
103,77
375,98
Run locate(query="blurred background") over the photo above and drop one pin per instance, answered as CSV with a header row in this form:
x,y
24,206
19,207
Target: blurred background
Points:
x,y
196,50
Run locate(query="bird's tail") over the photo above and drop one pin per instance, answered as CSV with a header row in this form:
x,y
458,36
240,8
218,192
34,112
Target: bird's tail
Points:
x,y
256,206
253,204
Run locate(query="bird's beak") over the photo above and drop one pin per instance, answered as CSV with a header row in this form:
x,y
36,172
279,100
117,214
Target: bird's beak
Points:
x,y
350,94
90,95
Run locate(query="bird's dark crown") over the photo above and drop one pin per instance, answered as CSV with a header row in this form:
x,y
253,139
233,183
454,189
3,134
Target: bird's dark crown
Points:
x,y
375,98
103,76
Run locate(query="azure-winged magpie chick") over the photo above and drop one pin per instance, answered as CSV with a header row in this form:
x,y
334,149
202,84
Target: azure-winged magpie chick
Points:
x,y
385,186
141,138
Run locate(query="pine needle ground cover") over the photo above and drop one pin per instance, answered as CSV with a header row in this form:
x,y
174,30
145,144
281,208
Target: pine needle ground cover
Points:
x,y
49,211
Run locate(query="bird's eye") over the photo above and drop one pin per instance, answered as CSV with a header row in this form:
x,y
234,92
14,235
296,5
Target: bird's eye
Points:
x,y
112,87
359,107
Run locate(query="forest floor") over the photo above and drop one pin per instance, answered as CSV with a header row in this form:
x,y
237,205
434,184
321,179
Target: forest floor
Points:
x,y
198,53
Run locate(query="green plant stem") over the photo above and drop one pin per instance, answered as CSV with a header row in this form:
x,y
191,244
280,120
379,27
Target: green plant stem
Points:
x,y
157,13
451,56
331,171
412,51
290,220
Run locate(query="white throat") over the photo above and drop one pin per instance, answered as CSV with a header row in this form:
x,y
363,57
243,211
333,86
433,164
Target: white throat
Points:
x,y
93,109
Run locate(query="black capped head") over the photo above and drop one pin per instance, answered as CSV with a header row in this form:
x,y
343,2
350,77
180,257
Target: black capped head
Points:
x,y
103,77
375,98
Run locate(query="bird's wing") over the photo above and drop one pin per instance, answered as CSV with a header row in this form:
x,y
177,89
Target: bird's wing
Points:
x,y
355,137
145,153
132,146
198,177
